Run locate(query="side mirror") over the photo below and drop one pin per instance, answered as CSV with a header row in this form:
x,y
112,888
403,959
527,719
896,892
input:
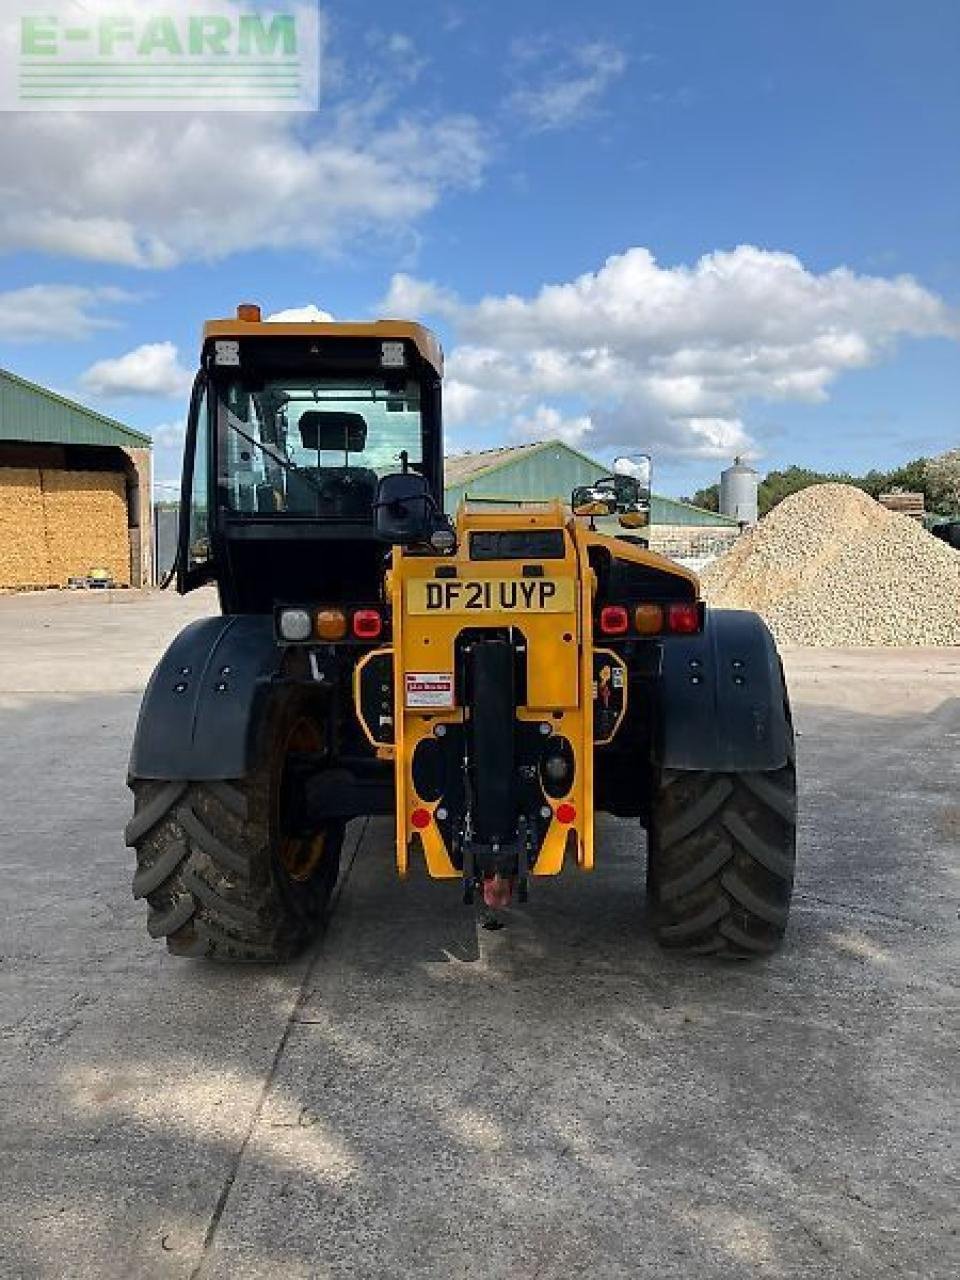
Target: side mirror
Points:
x,y
617,495
632,475
403,510
625,494
638,518
592,500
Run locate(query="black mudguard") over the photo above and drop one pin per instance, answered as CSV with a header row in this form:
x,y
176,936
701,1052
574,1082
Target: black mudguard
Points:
x,y
722,704
199,714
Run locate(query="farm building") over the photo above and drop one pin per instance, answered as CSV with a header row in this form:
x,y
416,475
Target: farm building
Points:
x,y
74,492
552,469
532,472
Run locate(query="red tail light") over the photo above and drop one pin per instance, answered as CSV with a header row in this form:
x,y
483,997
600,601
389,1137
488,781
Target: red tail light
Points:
x,y
683,618
614,620
367,624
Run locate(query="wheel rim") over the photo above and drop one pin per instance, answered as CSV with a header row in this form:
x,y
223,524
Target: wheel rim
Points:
x,y
300,856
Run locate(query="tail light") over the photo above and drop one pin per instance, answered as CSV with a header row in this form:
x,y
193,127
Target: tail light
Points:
x,y
684,619
614,620
367,624
648,619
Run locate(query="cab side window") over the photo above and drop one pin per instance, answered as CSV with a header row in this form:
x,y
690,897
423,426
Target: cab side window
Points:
x,y
198,544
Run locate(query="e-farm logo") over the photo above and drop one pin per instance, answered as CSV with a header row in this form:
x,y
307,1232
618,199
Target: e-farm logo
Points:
x,y
182,55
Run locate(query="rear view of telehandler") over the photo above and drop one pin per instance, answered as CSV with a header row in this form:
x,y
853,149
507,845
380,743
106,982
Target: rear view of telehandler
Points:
x,y
491,683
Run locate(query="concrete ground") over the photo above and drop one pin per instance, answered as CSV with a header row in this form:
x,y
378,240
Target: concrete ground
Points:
x,y
421,1098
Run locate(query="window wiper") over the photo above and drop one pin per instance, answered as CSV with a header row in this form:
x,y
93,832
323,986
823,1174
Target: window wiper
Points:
x,y
280,458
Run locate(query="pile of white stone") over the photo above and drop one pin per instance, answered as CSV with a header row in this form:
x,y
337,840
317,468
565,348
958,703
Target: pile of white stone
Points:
x,y
829,566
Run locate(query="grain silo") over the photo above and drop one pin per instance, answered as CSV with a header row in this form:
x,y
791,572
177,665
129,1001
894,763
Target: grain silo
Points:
x,y
738,492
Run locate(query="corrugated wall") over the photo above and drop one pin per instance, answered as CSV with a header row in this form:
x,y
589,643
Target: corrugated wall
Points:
x,y
545,473
670,511
554,472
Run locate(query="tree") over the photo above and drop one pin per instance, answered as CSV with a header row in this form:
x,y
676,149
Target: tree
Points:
x,y
708,498
938,479
942,477
777,485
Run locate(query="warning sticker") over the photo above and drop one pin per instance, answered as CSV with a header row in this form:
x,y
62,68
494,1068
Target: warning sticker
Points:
x,y
429,688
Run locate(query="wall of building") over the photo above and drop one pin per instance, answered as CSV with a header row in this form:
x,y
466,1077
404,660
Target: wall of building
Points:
x,y
542,474
697,541
140,516
554,472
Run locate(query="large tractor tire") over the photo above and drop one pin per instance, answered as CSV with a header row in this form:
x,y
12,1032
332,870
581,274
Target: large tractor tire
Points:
x,y
222,877
721,855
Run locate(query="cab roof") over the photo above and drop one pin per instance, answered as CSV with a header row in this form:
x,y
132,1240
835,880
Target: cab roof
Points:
x,y
398,330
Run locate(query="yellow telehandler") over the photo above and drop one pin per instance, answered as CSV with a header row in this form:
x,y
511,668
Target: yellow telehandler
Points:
x,y
491,681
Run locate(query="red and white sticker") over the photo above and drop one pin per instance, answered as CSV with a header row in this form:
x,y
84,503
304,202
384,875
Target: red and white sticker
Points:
x,y
429,688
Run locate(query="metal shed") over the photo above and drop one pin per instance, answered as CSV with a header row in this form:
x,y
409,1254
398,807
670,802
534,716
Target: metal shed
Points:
x,y
552,469
74,491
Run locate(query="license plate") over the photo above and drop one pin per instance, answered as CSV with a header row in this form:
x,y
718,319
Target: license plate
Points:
x,y
490,595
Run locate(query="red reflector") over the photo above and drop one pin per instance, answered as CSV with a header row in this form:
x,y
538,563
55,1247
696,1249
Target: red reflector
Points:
x,y
420,818
367,624
566,813
683,618
614,620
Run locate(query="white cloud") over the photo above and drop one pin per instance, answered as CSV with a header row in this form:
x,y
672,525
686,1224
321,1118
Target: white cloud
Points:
x,y
40,312
151,190
560,90
548,423
463,403
168,439
671,356
170,435
151,370
310,314
405,59
408,296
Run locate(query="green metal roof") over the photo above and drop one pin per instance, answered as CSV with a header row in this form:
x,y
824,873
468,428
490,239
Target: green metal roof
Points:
x,y
549,469
33,414
673,511
531,472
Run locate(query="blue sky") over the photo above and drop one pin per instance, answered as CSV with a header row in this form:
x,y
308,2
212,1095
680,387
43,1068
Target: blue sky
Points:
x,y
694,227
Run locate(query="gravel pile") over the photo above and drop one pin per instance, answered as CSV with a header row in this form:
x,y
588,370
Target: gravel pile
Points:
x,y
829,566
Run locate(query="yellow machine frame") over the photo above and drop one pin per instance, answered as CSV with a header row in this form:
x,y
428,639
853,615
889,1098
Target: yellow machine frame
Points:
x,y
560,666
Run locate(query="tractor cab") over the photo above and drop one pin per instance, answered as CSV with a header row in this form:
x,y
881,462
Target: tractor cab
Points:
x,y
291,429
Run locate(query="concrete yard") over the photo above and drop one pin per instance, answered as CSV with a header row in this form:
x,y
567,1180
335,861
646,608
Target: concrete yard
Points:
x,y
419,1097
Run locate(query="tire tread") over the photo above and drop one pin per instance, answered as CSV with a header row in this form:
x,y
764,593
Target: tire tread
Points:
x,y
206,866
722,851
